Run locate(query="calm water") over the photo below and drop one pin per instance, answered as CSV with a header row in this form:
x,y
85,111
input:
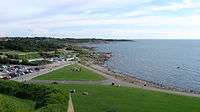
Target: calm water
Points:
x,y
171,62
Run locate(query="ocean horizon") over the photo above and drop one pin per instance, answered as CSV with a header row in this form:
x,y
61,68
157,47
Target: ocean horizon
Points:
x,y
169,62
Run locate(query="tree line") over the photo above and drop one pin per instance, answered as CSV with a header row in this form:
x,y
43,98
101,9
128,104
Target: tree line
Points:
x,y
32,44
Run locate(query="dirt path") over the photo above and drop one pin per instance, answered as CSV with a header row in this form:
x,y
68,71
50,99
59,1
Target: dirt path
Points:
x,y
70,104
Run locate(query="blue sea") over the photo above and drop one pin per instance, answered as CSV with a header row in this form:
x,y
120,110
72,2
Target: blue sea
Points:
x,y
169,62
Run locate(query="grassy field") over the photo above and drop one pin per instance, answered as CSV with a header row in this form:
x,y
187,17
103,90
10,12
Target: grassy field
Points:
x,y
122,99
12,104
39,98
103,99
70,73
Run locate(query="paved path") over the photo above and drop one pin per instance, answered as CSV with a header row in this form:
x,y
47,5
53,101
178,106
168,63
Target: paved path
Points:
x,y
48,68
70,104
110,79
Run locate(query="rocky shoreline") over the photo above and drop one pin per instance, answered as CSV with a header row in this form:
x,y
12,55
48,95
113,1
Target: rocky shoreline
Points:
x,y
134,80
140,82
100,58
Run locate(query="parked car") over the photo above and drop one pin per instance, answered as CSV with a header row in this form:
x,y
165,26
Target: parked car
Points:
x,y
37,69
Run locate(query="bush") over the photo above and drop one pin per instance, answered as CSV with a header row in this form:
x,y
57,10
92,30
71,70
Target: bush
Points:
x,y
39,62
25,61
29,55
5,60
42,95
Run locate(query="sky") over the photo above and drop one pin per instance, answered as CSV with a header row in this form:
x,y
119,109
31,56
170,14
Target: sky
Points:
x,y
127,19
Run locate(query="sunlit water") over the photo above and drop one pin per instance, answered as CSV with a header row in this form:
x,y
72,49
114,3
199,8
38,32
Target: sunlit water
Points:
x,y
170,62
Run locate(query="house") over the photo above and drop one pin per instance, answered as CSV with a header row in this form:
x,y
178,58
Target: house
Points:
x,y
70,59
37,59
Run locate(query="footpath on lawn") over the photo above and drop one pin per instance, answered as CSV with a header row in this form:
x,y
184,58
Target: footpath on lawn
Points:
x,y
102,97
70,104
90,75
97,98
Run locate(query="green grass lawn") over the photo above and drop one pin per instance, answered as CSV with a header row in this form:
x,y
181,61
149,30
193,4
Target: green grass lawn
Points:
x,y
122,99
69,73
13,104
104,99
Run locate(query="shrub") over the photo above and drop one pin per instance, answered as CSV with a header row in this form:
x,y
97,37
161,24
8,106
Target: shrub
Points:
x,y
42,95
5,60
39,62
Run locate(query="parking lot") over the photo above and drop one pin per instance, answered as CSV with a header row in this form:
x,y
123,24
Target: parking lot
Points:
x,y
12,71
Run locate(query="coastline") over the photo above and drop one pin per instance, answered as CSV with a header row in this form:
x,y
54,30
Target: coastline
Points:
x,y
130,78
97,64
131,81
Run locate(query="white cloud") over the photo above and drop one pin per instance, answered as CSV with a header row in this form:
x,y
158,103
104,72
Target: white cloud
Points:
x,y
89,17
174,6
